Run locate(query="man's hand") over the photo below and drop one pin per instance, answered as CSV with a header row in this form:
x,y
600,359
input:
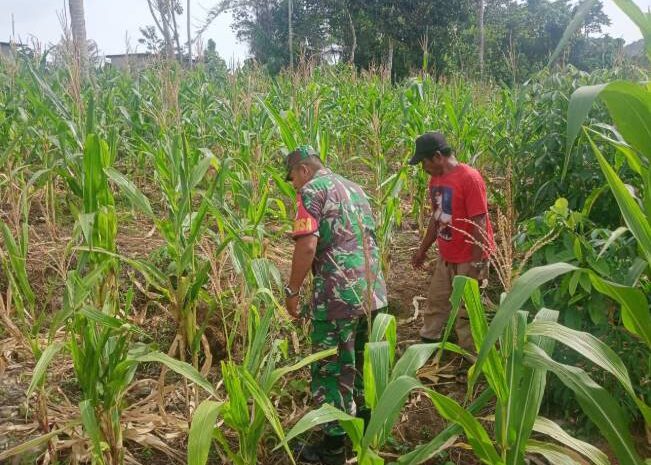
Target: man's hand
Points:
x,y
291,303
418,258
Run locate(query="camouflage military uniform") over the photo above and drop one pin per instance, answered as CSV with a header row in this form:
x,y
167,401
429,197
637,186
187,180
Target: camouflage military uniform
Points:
x,y
347,260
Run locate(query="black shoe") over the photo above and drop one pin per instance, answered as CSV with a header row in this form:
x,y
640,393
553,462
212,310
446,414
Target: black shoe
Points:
x,y
329,451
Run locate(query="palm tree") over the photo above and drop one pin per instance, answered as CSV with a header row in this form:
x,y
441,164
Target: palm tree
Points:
x,y
78,23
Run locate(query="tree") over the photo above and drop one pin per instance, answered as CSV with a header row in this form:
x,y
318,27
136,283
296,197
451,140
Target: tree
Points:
x,y
78,26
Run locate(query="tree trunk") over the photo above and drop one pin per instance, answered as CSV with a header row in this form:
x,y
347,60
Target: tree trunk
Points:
x,y
481,38
187,12
353,46
390,59
291,33
162,25
78,25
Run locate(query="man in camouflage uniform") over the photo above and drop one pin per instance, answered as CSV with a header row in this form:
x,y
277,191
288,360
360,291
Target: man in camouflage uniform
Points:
x,y
334,235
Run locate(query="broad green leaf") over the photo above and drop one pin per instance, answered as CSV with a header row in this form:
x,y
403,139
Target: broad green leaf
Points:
x,y
494,369
426,451
134,195
385,327
305,361
586,345
17,263
629,104
551,429
388,409
522,289
527,387
580,104
263,403
635,307
179,367
91,426
201,429
477,436
42,364
635,219
354,427
412,360
595,401
558,455
377,367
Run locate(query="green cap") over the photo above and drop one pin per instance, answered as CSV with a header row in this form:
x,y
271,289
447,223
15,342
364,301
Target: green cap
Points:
x,y
297,155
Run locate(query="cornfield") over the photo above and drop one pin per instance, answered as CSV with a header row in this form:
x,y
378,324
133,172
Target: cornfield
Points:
x,y
144,220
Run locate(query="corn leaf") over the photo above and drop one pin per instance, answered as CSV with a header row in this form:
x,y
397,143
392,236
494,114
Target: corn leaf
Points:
x,y
522,289
91,426
595,401
494,369
134,195
354,427
41,366
631,211
551,429
412,360
426,451
477,436
558,455
388,409
179,367
201,430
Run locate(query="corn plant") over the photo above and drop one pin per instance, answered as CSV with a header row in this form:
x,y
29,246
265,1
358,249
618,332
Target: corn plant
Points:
x,y
387,384
248,410
517,370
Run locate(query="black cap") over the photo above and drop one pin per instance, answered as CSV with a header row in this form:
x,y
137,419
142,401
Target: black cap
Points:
x,y
427,145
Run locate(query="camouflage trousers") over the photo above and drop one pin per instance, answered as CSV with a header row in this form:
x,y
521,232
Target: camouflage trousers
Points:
x,y
338,380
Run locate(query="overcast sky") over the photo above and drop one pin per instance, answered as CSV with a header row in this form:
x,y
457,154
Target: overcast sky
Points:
x,y
111,23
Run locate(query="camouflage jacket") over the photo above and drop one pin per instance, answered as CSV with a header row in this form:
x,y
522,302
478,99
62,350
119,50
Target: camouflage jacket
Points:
x,y
338,212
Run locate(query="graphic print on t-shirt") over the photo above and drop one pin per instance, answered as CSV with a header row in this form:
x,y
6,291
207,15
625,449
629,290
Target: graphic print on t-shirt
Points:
x,y
442,205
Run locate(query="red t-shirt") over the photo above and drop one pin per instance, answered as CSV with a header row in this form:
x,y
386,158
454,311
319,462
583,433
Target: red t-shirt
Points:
x,y
456,197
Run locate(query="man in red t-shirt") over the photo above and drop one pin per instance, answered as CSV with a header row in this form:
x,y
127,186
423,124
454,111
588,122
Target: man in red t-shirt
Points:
x,y
459,225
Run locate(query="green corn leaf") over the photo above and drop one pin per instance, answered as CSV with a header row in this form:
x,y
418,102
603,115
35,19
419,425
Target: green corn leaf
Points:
x,y
551,429
91,426
385,328
586,345
558,455
354,427
580,104
179,367
17,264
522,289
527,387
412,360
426,451
616,234
388,409
494,369
306,361
262,401
595,401
41,366
201,430
631,211
377,367
477,436
135,196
